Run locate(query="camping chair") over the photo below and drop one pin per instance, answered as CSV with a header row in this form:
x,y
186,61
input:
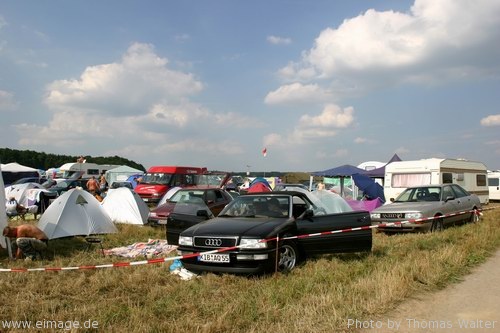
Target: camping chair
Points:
x,y
19,213
94,240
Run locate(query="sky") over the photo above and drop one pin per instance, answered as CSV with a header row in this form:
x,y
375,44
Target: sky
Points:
x,y
317,83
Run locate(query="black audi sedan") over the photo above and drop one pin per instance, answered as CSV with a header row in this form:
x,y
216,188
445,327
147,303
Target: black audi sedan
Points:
x,y
274,231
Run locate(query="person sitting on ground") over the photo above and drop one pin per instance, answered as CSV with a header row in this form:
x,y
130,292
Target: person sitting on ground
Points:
x,y
29,240
92,185
13,208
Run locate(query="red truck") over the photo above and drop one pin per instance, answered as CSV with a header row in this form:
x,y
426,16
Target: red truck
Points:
x,y
159,179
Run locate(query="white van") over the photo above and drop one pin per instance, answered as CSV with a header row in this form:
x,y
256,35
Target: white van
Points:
x,y
471,175
494,185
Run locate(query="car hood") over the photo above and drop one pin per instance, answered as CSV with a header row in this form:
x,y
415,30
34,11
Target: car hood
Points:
x,y
407,207
230,226
164,209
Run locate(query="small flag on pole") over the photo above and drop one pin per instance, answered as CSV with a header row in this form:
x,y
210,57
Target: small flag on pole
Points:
x,y
264,152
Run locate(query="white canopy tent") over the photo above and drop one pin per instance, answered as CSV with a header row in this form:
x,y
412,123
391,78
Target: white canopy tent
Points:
x,y
120,174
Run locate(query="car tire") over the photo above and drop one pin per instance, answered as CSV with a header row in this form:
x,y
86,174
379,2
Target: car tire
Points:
x,y
437,225
288,257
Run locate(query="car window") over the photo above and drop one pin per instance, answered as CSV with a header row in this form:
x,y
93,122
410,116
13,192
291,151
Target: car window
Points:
x,y
448,192
434,194
406,196
459,192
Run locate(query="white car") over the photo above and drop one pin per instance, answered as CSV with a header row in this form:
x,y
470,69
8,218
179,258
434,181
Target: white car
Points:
x,y
433,206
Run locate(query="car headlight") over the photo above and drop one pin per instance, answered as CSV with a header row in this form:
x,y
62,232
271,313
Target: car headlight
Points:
x,y
187,241
152,214
375,215
252,243
414,216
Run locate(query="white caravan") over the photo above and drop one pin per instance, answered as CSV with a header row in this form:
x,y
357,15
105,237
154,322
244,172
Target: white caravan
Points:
x,y
494,185
471,175
88,170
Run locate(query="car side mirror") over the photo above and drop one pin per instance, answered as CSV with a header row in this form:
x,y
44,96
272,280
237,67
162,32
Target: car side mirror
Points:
x,y
450,197
202,213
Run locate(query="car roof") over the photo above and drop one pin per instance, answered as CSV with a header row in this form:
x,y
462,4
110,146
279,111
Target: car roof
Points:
x,y
275,193
199,187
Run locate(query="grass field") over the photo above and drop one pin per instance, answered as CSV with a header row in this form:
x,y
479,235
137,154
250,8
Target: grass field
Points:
x,y
318,296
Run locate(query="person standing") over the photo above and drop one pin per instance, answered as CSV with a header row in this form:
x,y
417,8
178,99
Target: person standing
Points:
x,y
92,186
103,184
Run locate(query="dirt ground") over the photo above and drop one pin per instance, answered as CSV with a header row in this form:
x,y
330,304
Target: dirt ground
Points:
x,y
471,306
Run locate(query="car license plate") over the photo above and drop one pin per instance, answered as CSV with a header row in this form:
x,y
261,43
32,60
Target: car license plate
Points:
x,y
162,221
146,199
214,257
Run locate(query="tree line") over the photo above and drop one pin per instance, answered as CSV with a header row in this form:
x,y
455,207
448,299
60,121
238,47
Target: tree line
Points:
x,y
44,161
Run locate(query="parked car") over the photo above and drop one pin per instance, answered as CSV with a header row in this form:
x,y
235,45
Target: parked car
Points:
x,y
284,186
38,180
431,201
119,184
187,207
249,224
66,185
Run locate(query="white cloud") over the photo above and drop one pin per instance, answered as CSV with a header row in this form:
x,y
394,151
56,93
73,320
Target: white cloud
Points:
x,y
309,128
298,93
182,37
131,86
331,117
3,22
272,139
434,42
139,101
493,120
279,40
360,140
7,101
341,153
395,40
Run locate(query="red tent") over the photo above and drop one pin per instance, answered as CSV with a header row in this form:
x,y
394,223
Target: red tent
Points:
x,y
259,187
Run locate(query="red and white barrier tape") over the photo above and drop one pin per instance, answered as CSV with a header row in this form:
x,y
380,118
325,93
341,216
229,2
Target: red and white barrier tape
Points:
x,y
163,260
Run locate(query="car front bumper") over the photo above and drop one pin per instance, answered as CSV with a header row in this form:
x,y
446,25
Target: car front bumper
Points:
x,y
403,227
241,262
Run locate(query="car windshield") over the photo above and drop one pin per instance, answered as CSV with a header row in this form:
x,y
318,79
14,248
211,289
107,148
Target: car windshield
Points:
x,y
279,205
62,184
190,202
417,194
156,178
193,196
258,206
